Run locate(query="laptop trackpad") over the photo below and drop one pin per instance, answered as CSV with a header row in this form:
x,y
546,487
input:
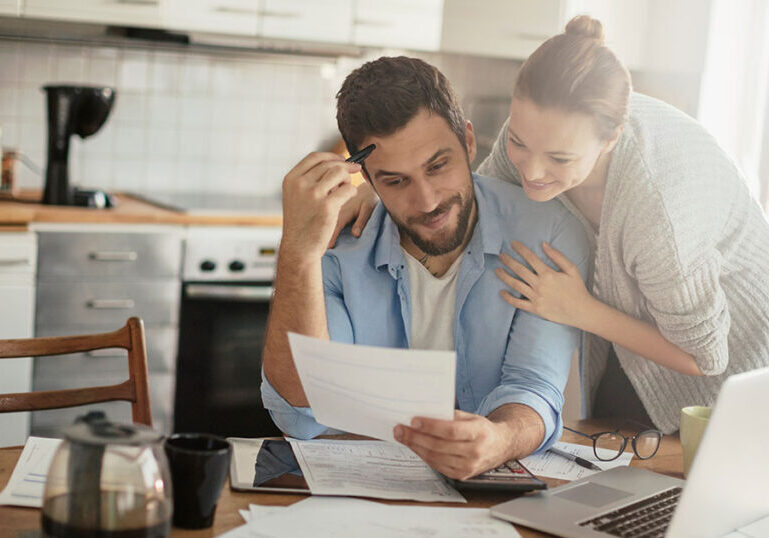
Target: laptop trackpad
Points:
x,y
594,495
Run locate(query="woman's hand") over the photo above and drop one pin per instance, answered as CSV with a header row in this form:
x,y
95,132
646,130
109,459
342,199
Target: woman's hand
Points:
x,y
357,208
558,296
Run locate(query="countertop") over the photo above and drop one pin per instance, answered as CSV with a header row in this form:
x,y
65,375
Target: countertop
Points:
x,y
19,213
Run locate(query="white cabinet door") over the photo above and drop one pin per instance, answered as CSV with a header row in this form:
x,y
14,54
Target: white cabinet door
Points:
x,y
10,7
118,12
401,24
239,17
17,297
307,20
500,28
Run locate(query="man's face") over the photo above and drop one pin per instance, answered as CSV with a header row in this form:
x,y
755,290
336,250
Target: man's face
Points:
x,y
422,175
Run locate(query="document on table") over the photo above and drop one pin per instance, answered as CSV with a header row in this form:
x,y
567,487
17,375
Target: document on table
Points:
x,y
555,466
331,517
368,390
370,469
25,488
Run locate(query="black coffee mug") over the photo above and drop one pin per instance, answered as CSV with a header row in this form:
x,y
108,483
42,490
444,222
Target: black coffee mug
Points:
x,y
199,463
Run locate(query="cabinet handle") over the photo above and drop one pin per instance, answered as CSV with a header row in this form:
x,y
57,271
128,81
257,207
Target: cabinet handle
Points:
x,y
232,293
18,261
236,10
114,256
364,22
280,14
110,304
138,2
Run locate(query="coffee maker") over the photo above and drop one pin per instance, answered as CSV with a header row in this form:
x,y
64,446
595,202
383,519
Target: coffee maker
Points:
x,y
80,110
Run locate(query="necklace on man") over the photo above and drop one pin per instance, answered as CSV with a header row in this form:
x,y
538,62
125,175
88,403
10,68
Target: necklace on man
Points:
x,y
425,261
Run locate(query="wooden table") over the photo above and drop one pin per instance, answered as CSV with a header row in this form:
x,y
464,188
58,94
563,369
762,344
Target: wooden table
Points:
x,y
25,522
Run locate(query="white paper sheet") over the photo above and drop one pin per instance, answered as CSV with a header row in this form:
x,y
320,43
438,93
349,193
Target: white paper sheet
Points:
x,y
368,390
25,488
370,469
555,466
333,517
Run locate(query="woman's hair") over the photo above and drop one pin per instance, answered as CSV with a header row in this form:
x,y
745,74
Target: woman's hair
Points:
x,y
576,72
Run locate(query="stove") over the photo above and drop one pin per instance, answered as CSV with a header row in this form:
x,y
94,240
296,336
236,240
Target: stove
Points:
x,y
227,280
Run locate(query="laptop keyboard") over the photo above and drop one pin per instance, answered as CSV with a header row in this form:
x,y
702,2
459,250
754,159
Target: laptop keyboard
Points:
x,y
647,518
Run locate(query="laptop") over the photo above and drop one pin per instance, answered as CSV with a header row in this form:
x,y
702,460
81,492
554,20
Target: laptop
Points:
x,y
726,490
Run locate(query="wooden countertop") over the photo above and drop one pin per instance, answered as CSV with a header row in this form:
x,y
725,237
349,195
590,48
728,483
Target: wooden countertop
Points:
x,y
129,210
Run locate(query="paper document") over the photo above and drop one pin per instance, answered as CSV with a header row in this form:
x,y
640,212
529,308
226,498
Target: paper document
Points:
x,y
555,466
331,517
370,469
368,390
25,488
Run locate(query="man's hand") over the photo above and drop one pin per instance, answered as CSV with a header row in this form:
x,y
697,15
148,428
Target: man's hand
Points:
x,y
313,193
460,448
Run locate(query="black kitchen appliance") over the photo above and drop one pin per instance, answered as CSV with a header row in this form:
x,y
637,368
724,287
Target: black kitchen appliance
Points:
x,y
80,110
227,286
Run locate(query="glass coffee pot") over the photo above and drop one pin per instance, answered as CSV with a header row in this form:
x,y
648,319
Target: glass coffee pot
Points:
x,y
108,480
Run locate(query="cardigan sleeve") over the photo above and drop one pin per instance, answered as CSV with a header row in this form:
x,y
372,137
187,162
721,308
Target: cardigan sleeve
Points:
x,y
680,287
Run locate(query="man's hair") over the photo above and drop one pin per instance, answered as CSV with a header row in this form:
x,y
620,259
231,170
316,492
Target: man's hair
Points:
x,y
383,95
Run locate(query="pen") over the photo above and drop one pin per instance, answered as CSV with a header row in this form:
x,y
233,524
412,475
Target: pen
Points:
x,y
582,462
361,155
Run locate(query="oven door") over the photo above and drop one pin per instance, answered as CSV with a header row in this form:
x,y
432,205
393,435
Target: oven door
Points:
x,y
221,337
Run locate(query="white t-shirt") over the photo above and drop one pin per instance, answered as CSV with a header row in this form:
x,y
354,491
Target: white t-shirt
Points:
x,y
433,301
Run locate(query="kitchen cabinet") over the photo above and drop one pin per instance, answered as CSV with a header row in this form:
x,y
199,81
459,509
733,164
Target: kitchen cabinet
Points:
x,y
10,7
91,280
306,20
18,252
647,35
499,28
146,13
403,24
236,17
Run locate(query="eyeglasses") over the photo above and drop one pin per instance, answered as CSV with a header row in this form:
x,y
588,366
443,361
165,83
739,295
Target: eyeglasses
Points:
x,y
608,446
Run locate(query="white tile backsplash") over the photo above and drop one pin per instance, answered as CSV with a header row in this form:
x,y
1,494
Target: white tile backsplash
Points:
x,y
180,121
234,122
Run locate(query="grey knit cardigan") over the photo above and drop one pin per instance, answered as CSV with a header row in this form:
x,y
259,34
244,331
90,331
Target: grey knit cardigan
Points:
x,y
681,245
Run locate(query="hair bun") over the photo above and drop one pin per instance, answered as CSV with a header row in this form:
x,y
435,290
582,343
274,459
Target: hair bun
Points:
x,y
585,26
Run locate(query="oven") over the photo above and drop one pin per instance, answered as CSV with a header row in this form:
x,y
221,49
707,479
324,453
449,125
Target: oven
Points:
x,y
226,292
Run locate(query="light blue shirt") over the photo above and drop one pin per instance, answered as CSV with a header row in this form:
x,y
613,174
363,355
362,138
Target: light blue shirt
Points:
x,y
504,355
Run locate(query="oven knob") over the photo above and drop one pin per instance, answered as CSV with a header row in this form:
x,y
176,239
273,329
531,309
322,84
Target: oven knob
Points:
x,y
237,266
207,265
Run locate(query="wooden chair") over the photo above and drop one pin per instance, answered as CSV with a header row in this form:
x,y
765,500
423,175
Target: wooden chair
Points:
x,y
135,389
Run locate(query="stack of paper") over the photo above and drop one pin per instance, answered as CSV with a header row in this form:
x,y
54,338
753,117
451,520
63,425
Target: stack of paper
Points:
x,y
554,466
333,517
370,469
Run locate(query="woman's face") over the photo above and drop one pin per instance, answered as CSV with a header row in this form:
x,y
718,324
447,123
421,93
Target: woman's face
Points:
x,y
553,150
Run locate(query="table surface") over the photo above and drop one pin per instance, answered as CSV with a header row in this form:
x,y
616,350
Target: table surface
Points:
x,y
25,522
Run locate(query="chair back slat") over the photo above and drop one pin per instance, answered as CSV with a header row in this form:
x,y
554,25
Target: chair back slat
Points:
x,y
135,389
61,345
58,399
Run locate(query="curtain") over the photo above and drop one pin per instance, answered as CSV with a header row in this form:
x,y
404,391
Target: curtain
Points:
x,y
734,93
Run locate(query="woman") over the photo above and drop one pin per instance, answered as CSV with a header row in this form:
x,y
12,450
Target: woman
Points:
x,y
680,280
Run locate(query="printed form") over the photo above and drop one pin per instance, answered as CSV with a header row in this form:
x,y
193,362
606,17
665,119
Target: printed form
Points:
x,y
25,488
369,390
555,466
370,469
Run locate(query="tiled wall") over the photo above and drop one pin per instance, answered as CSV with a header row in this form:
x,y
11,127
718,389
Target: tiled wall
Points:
x,y
181,121
232,122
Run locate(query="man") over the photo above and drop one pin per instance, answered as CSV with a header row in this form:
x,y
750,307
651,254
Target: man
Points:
x,y
422,273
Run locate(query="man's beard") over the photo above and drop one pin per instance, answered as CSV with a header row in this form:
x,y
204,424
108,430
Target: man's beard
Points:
x,y
442,245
